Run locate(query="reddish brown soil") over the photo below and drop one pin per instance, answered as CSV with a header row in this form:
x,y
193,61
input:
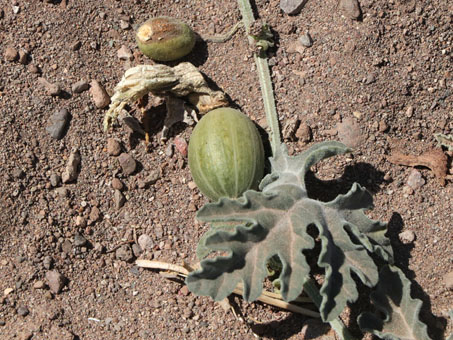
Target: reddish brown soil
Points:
x,y
397,56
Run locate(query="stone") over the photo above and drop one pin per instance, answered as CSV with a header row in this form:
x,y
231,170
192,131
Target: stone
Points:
x,y
152,178
99,95
79,240
383,126
415,179
136,250
181,145
33,69
113,147
349,133
407,237
59,122
145,242
55,281
117,184
66,247
80,86
55,180
303,133
39,285
10,54
22,311
119,199
306,40
350,9
124,25
80,222
62,192
127,163
23,57
124,253
124,53
71,171
47,262
95,215
51,89
448,280
292,7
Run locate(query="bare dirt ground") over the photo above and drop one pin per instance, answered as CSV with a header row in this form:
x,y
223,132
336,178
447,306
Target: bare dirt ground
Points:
x,y
386,80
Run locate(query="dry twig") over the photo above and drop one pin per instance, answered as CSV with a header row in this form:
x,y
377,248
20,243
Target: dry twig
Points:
x,y
266,297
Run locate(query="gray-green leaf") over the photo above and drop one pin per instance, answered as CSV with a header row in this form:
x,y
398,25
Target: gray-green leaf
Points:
x,y
392,298
275,221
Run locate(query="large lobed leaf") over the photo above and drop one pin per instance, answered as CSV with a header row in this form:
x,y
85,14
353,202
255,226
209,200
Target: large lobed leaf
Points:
x,y
392,297
275,222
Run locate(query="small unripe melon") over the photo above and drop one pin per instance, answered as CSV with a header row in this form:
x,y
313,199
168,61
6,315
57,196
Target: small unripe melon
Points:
x,y
226,155
165,39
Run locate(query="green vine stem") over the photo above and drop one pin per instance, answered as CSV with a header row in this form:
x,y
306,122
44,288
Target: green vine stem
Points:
x,y
264,77
272,119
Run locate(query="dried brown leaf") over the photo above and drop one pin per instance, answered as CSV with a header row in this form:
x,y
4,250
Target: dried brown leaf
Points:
x,y
433,159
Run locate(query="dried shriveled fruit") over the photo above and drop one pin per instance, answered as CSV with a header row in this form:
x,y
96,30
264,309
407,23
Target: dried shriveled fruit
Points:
x,y
165,39
226,154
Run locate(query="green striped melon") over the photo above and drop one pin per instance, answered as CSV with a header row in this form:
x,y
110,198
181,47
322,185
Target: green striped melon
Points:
x,y
226,155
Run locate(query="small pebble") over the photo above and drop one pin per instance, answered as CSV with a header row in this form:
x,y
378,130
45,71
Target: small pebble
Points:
x,y
124,253
33,69
79,240
145,242
113,147
22,311
292,7
59,121
350,9
448,280
39,285
117,184
55,281
349,133
71,171
415,179
55,180
124,53
303,133
100,97
181,145
80,222
80,86
383,126
11,54
51,89
47,262
124,25
409,111
127,163
136,250
306,40
95,215
119,199
407,237
23,57
62,192
169,150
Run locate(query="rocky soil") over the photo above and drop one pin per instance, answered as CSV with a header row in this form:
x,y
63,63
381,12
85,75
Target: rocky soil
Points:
x,y
78,205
